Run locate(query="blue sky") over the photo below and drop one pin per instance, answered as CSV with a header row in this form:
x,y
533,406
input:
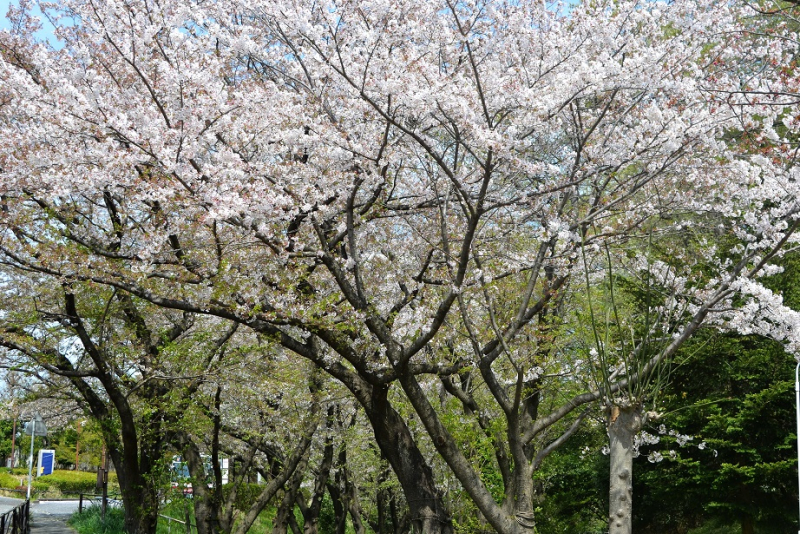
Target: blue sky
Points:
x,y
46,32
3,9
4,4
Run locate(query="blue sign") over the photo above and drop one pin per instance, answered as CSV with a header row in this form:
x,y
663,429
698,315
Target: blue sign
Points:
x,y
47,462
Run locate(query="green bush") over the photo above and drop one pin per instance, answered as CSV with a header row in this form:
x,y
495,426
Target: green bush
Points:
x,y
41,485
61,481
69,482
91,521
9,481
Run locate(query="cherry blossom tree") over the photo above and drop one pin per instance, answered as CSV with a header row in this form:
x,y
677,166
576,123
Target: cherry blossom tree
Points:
x,y
258,428
114,362
404,192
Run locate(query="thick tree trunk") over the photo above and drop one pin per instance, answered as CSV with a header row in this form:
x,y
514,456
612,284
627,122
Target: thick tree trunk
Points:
x,y
622,423
138,520
428,512
140,504
135,456
206,500
748,524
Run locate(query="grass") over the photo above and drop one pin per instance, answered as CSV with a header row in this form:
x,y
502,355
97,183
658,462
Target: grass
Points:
x,y
177,507
91,521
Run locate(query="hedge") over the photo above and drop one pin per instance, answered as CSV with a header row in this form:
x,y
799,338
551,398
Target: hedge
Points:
x,y
61,481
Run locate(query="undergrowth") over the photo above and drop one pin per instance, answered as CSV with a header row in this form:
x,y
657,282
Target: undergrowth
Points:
x,y
90,521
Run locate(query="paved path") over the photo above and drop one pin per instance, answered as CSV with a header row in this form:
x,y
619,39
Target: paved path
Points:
x,y
50,517
54,508
50,524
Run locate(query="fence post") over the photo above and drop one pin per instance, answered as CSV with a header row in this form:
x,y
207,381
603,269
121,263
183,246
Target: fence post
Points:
x,y
80,504
14,521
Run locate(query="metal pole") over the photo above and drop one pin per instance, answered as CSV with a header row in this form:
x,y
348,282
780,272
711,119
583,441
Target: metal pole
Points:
x,y
30,458
13,441
797,406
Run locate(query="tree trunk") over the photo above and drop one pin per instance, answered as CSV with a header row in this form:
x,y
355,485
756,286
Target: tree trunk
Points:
x,y
355,512
622,423
448,449
141,509
135,456
206,500
345,497
339,511
748,524
312,510
399,523
285,514
380,502
428,512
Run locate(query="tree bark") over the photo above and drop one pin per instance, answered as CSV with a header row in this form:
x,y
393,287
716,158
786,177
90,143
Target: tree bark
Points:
x,y
622,423
427,509
522,521
339,510
206,500
748,524
286,508
428,512
312,510
141,508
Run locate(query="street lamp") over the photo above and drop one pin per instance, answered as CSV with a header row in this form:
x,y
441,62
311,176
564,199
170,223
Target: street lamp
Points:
x,y
35,428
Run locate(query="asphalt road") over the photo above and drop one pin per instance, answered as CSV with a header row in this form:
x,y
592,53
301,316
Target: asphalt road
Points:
x,y
7,503
54,508
41,508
